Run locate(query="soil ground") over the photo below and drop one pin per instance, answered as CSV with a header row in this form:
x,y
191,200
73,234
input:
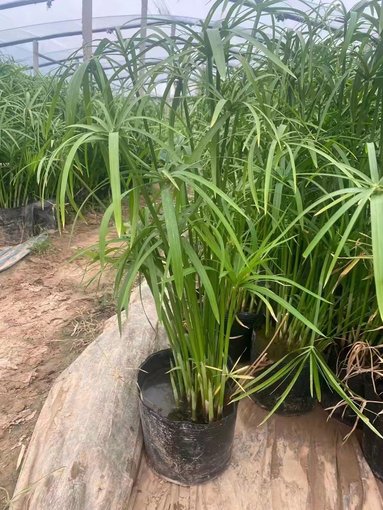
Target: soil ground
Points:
x,y
49,312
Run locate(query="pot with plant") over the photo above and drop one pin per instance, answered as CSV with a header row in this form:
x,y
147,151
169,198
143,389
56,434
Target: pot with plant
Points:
x,y
301,366
186,237
314,259
291,344
353,319
352,234
366,361
284,382
338,357
192,235
189,238
181,244
297,370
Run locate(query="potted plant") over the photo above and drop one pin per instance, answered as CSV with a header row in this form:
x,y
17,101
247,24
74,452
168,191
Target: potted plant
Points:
x,y
219,156
366,362
298,365
197,249
292,348
27,131
183,243
354,321
370,363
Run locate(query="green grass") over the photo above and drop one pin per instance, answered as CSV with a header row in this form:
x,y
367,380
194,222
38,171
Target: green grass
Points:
x,y
43,247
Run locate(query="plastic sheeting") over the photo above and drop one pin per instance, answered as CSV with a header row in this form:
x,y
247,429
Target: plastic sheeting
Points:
x,y
58,28
64,16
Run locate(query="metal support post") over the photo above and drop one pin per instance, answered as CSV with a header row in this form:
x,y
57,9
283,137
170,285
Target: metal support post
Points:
x,y
87,29
35,58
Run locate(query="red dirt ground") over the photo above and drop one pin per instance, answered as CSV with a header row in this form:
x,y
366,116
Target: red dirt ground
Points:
x,y
47,317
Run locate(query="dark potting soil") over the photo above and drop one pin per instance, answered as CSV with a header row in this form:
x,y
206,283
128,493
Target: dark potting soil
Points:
x,y
379,387
297,402
261,341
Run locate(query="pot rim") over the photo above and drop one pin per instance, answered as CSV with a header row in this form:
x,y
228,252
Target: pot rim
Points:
x,y
231,409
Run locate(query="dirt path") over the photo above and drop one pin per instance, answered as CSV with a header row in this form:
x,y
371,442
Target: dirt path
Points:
x,y
47,317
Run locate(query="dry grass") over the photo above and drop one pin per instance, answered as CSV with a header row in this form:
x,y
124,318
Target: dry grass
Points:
x,y
84,328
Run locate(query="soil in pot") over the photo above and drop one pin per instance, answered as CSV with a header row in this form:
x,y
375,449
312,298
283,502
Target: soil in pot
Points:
x,y
372,444
336,358
240,336
179,450
298,401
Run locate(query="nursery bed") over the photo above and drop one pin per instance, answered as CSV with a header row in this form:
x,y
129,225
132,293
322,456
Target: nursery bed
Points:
x,y
288,463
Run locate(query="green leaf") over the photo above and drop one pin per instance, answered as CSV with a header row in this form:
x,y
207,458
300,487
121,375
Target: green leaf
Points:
x,y
336,216
287,306
373,163
268,170
206,139
376,205
172,229
217,49
201,271
250,168
73,92
103,233
65,173
221,103
361,205
287,390
259,46
115,180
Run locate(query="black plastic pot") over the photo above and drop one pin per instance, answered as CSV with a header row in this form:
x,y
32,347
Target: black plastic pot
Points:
x,y
336,358
179,450
240,336
298,401
372,444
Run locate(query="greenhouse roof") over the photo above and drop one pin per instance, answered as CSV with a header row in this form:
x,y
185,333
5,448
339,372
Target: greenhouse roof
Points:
x,y
44,33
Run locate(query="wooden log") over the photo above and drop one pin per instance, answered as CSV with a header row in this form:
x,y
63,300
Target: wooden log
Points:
x,y
85,450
